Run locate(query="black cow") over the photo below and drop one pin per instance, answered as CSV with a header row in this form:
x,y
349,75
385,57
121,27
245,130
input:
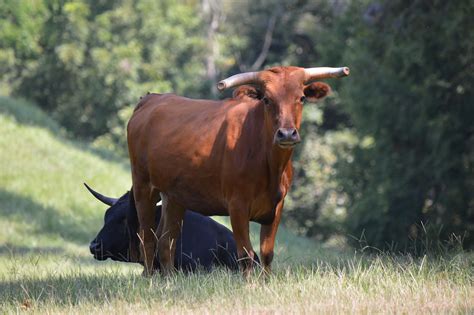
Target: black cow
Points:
x,y
203,243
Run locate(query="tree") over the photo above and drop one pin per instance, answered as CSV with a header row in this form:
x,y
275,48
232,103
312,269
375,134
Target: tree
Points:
x,y
411,174
95,58
19,42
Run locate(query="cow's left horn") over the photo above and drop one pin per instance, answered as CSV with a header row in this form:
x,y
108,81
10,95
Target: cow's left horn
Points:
x,y
325,72
107,200
238,79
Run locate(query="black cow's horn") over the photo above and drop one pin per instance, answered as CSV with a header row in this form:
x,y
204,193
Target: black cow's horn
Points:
x,y
107,200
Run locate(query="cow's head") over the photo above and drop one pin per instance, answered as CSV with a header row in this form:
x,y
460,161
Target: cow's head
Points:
x,y
113,240
283,91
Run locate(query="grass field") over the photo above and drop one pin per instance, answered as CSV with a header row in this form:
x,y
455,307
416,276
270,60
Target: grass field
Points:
x,y
47,220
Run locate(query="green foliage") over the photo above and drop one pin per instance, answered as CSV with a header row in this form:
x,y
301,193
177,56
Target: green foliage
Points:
x,y
19,40
114,140
86,61
315,204
387,159
410,99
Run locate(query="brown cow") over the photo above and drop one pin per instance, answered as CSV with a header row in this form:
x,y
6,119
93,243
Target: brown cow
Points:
x,y
229,157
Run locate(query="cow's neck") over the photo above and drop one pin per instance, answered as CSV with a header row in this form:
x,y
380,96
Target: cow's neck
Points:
x,y
275,158
277,161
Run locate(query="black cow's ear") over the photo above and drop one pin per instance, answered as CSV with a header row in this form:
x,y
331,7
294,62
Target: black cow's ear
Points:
x,y
247,91
316,91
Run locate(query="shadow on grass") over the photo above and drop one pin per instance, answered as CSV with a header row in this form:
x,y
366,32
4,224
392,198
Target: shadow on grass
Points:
x,y
26,113
65,290
42,220
105,286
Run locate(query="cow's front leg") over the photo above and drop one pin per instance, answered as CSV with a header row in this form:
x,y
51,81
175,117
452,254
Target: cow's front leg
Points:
x,y
172,215
267,239
239,219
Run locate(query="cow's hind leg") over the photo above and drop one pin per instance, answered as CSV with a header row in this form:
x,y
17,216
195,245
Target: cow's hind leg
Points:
x,y
145,200
171,221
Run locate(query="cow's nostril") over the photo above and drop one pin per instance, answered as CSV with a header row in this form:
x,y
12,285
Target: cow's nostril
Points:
x,y
94,247
280,134
287,136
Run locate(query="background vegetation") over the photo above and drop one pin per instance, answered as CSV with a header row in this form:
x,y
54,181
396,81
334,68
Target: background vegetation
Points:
x,y
387,161
47,218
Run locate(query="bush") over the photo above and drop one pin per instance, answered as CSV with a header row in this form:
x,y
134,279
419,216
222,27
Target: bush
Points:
x,y
410,100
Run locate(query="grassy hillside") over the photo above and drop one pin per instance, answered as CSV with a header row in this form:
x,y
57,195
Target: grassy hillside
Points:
x,y
43,201
47,219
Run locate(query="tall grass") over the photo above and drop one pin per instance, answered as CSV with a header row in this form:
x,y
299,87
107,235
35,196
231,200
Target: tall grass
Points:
x,y
382,284
47,219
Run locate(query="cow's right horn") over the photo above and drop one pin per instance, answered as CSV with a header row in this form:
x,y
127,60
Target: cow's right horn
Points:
x,y
238,79
107,200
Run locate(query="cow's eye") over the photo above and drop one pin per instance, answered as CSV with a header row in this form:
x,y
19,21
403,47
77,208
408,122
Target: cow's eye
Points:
x,y
266,101
303,99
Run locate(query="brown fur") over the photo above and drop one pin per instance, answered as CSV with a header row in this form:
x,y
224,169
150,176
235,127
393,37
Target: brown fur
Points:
x,y
316,90
247,91
217,158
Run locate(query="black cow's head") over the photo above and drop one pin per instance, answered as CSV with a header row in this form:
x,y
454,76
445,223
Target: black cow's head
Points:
x,y
113,239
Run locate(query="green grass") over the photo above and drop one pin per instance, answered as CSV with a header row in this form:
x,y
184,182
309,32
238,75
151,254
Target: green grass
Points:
x,y
47,219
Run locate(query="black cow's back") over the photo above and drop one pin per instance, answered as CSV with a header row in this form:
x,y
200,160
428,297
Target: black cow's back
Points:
x,y
204,243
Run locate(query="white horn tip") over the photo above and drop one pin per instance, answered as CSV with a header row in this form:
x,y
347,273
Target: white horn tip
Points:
x,y
221,86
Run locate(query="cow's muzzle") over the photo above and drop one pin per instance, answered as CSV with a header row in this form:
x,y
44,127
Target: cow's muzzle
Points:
x,y
96,250
287,137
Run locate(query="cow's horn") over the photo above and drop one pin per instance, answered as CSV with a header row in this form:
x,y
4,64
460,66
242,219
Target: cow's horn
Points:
x,y
238,79
325,72
107,200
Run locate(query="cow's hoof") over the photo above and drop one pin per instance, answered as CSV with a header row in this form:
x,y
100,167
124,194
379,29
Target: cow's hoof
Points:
x,y
267,270
148,274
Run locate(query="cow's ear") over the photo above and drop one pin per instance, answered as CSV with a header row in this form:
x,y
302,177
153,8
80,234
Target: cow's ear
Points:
x,y
247,91
316,91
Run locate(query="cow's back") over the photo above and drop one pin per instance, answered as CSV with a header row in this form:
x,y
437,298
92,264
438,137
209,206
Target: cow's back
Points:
x,y
180,152
166,125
